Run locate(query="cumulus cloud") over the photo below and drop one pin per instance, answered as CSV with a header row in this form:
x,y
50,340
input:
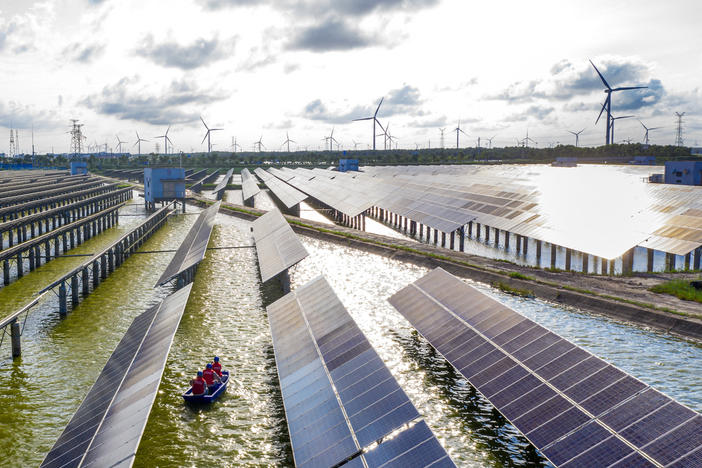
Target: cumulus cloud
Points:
x,y
197,54
315,8
78,52
569,81
23,116
331,35
406,100
535,112
179,102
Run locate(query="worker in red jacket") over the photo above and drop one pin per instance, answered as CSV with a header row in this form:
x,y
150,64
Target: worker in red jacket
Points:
x,y
211,377
217,366
199,385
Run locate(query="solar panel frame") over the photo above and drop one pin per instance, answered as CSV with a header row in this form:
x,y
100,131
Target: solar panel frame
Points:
x,y
277,246
546,386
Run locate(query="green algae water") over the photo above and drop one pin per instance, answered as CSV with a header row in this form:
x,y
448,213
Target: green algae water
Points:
x,y
226,316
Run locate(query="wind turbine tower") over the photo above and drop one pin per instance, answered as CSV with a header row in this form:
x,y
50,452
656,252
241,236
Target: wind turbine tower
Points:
x,y
374,118
577,136
166,140
442,137
288,141
647,129
458,131
138,142
608,103
207,135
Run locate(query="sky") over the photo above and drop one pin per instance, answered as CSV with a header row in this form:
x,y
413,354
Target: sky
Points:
x,y
270,68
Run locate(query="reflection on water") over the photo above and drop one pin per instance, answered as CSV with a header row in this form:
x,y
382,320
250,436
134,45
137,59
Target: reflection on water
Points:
x,y
226,316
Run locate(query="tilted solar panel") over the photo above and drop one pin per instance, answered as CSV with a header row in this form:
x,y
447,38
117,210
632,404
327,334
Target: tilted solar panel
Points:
x,y
223,184
108,425
576,408
277,246
249,187
193,248
338,395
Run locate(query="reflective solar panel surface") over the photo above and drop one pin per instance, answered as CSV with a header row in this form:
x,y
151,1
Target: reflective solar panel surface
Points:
x,y
277,246
574,407
338,395
249,187
223,184
600,210
192,250
108,425
287,194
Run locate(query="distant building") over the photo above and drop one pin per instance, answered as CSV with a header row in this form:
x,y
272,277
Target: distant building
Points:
x,y
348,165
683,172
163,185
644,161
697,150
79,167
565,162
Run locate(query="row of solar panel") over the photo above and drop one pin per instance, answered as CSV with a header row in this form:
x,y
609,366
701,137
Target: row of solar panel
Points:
x,y
249,187
277,246
338,395
546,386
108,425
287,194
224,182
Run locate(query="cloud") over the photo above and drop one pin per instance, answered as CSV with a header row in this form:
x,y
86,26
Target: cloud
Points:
x,y
568,81
331,35
199,53
23,116
177,103
317,8
78,52
402,101
535,112
433,122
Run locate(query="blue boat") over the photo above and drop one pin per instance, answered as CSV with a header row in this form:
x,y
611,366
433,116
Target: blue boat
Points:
x,y
219,389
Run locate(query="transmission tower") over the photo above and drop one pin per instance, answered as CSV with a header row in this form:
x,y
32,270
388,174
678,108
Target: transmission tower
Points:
x,y
13,149
76,137
679,133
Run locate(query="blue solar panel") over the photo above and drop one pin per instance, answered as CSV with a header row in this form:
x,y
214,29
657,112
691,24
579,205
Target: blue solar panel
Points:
x,y
545,385
678,443
415,447
338,395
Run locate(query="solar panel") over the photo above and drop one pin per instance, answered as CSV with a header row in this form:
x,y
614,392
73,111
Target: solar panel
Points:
x,y
287,194
339,397
224,182
108,425
277,246
249,187
192,250
574,407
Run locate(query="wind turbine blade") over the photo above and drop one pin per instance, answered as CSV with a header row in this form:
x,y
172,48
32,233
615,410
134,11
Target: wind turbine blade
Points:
x,y
215,129
463,132
629,87
203,123
654,128
379,104
205,137
168,130
354,120
601,111
601,77
572,132
381,125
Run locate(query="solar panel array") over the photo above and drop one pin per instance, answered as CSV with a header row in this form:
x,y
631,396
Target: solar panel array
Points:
x,y
512,198
108,425
287,194
277,246
574,407
339,396
249,187
192,250
224,182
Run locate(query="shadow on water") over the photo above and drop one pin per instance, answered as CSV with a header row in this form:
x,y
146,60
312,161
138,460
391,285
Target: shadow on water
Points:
x,y
491,432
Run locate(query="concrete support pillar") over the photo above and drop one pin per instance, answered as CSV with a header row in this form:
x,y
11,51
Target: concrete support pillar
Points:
x,y
497,237
6,272
63,306
37,256
462,239
569,254
649,260
436,236
477,230
487,234
57,247
586,262
111,260
74,291
507,236
470,229
443,239
687,260
526,245
284,278
603,266
15,336
669,262
20,265
103,267
628,262
31,259
452,242
519,244
538,253
696,261
553,255
96,275
86,286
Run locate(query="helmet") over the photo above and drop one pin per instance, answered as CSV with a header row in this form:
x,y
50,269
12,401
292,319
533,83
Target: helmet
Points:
x,y
209,365
199,373
216,359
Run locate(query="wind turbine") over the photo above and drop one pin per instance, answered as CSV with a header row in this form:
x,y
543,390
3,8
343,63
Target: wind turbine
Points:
x,y
577,136
374,118
355,145
458,131
166,140
490,141
260,144
287,141
331,140
138,142
647,130
608,103
617,118
526,140
119,145
207,135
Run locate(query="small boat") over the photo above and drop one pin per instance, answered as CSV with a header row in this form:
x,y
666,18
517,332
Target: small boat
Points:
x,y
210,397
